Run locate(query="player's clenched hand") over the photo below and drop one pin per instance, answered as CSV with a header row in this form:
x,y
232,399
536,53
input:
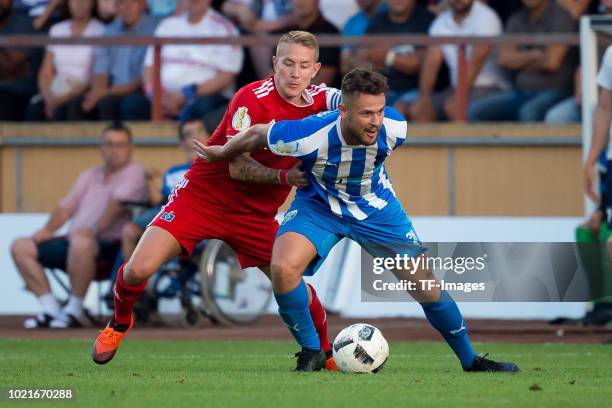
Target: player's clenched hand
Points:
x,y
296,177
210,154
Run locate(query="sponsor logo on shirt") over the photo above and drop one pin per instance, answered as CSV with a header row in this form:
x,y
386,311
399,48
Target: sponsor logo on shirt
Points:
x,y
241,119
285,148
289,216
167,216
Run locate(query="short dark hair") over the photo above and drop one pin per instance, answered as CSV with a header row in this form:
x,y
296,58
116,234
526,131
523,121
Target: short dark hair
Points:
x,y
118,127
365,81
182,124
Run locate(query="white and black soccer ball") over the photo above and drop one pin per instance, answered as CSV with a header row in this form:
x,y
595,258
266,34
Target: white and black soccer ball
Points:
x,y
360,348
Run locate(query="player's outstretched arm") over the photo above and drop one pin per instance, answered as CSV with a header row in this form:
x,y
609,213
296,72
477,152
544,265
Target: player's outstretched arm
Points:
x,y
246,141
245,168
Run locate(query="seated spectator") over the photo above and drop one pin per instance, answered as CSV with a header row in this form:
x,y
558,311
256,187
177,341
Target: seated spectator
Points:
x,y
338,12
188,131
504,8
542,74
309,18
401,64
41,14
577,8
569,110
31,8
96,219
66,70
53,12
465,18
259,16
165,8
107,10
356,26
196,79
116,89
436,7
18,66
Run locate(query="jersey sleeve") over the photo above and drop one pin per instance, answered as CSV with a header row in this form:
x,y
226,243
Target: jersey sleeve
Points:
x,y
299,138
333,98
396,127
243,112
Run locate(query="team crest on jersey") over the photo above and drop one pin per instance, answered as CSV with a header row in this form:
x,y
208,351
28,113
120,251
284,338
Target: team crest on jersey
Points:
x,y
241,119
285,148
167,216
289,216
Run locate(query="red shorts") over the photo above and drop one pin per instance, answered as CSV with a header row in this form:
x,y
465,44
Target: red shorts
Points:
x,y
191,219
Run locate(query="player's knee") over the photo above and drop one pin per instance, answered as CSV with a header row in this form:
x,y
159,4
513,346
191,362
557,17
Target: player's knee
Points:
x,y
139,270
23,248
429,296
284,271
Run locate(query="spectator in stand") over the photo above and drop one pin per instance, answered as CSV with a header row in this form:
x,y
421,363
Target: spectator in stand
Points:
x,y
356,25
504,8
66,70
96,219
570,110
166,8
116,90
577,8
18,66
48,13
259,16
107,10
542,74
309,18
436,7
400,64
464,18
338,12
196,79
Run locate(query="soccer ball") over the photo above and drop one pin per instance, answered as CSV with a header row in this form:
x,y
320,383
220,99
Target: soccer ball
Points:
x,y
360,348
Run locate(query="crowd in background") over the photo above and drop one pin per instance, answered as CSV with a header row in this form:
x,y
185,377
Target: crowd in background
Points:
x,y
506,83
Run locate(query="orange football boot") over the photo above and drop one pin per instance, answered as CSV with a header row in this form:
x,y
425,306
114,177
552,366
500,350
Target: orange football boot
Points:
x,y
330,363
108,341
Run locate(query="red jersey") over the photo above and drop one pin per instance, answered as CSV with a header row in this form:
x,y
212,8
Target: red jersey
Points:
x,y
256,103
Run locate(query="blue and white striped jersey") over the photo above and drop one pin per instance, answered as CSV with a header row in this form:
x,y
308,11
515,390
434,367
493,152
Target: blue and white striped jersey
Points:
x,y
350,180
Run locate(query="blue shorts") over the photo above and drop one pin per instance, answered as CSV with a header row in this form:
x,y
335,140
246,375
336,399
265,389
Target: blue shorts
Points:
x,y
384,234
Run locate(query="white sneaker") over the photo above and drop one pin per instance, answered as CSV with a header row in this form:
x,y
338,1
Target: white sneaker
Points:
x,y
41,321
65,321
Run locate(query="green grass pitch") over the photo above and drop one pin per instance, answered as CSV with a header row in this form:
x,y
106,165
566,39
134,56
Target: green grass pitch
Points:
x,y
257,374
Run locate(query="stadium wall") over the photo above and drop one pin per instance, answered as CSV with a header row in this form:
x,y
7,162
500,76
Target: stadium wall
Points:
x,y
446,169
347,300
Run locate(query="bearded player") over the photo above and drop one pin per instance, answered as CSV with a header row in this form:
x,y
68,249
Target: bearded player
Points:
x,y
220,201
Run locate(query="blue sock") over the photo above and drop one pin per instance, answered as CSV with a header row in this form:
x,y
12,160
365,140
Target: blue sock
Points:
x,y
293,308
444,316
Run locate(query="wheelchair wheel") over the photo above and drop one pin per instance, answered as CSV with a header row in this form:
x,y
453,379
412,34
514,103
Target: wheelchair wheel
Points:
x,y
231,295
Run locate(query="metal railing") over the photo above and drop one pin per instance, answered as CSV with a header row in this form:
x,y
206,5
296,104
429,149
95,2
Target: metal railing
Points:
x,y
324,40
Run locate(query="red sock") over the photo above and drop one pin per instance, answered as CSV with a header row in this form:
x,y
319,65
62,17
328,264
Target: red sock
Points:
x,y
125,298
319,318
